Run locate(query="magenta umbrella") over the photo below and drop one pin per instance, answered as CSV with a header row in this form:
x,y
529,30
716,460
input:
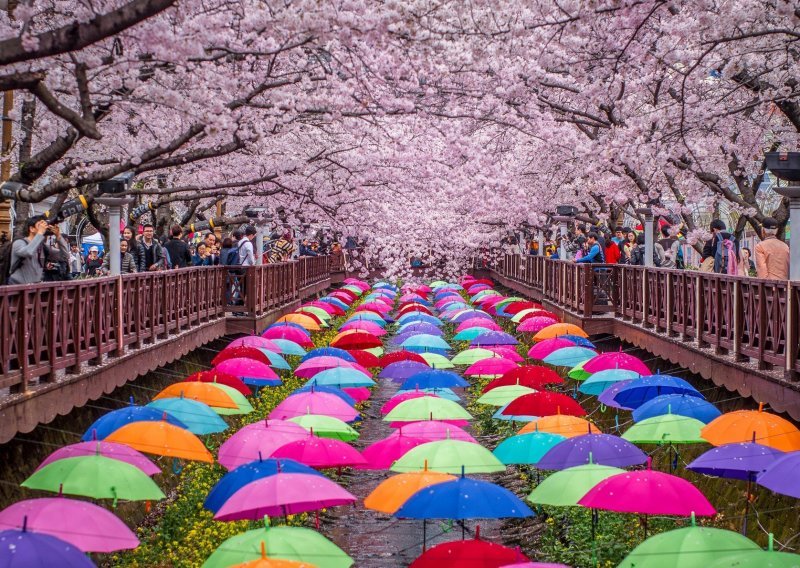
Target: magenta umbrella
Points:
x,y
506,352
246,368
478,322
84,525
359,394
254,341
364,325
434,430
288,332
535,324
111,450
311,367
283,494
457,423
324,306
383,453
258,441
320,453
548,346
402,397
314,402
616,360
535,565
491,366
379,307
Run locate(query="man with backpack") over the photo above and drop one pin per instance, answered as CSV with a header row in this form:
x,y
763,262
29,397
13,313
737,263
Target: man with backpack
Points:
x,y
24,260
177,249
720,251
673,253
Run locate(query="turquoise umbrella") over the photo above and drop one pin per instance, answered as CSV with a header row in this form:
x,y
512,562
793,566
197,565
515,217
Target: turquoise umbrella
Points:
x,y
469,334
341,377
425,341
601,380
275,360
289,347
513,417
526,448
198,417
367,316
569,356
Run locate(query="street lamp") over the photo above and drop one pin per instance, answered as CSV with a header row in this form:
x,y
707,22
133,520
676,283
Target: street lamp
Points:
x,y
260,216
786,167
564,214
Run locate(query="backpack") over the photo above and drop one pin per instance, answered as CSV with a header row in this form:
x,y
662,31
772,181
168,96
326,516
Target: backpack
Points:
x,y
233,256
725,257
6,270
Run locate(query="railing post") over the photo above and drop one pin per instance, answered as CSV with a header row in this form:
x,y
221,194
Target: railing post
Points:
x,y
699,309
738,325
77,318
119,313
669,302
164,305
23,337
97,320
588,290
52,322
792,327
645,296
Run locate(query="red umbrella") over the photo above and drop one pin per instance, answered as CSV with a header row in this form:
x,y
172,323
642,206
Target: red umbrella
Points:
x,y
365,358
397,356
531,376
357,340
332,309
516,307
406,308
483,281
242,351
473,553
214,376
544,403
347,296
540,314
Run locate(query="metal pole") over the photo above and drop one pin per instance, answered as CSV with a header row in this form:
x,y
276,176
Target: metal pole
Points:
x,y
259,245
5,166
794,239
113,239
562,249
541,243
649,238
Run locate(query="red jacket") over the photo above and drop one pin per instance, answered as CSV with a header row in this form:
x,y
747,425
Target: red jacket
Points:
x,y
612,252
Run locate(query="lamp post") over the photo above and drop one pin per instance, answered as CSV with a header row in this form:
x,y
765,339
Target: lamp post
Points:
x,y
564,214
786,167
114,205
648,235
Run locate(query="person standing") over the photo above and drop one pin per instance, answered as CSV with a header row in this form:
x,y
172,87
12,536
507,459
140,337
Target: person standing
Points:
x,y
177,249
127,264
594,253
151,254
56,250
75,261
93,262
772,254
26,265
611,250
246,254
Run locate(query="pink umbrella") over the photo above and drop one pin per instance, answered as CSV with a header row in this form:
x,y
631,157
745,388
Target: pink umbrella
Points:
x,y
311,367
648,492
535,565
283,494
379,307
324,306
257,441
288,332
535,324
478,322
112,450
402,397
244,367
382,454
434,430
492,366
254,341
506,352
343,296
459,423
547,346
616,360
320,453
314,402
84,525
360,394
356,282
364,325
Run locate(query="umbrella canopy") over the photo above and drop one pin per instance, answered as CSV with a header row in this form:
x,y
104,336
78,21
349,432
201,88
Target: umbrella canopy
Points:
x,y
492,367
320,453
753,426
306,320
481,322
326,427
95,476
89,528
498,415
566,487
463,498
356,339
364,358
449,456
289,347
690,547
257,441
330,390
425,341
402,370
420,327
116,419
494,338
215,376
763,558
206,393
244,351
473,355
648,492
163,439
781,476
250,371
437,360
198,417
315,365
473,553
314,402
254,341
532,376
399,356
402,397
283,494
544,348
383,453
391,493
533,324
341,377
526,448
545,403
607,396
639,391
104,448
616,360
506,352
283,542
20,548
289,333
578,374
603,449
328,352
427,408
600,381
469,334
501,396
569,356
564,425
434,430
666,429
742,460
433,379
557,329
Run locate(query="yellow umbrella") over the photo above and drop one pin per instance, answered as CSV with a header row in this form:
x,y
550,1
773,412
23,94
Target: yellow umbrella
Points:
x,y
207,393
562,424
162,439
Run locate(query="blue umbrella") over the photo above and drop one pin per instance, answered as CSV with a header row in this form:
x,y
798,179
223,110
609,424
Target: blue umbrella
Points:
x,y
441,393
526,448
198,417
234,480
489,337
368,316
22,548
330,390
513,417
116,419
425,341
328,352
681,404
335,301
603,449
288,347
569,356
419,317
434,379
402,370
607,396
420,327
463,498
578,340
386,285
402,337
742,460
601,380
639,391
341,377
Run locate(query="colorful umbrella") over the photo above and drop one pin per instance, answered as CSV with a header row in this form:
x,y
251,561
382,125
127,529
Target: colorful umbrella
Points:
x,y
383,453
320,453
243,351
607,396
545,403
578,374
356,340
494,338
23,548
557,329
330,390
425,342
478,323
250,371
104,448
532,376
398,356
741,460
437,361
402,397
116,419
569,356
289,333
566,487
449,456
498,415
463,498
328,352
490,367
315,365
433,379
502,396
427,408
289,347
254,341
341,377
534,324
756,426
434,430
564,425
781,476
257,441
163,439
402,370
506,352
544,348
603,449
393,492
639,391
473,355
526,448
600,381
314,402
617,360
469,334
666,429
207,393
215,376
306,320
366,359
326,427
198,417
473,553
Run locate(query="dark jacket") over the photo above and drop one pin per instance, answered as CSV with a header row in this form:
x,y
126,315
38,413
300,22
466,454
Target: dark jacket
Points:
x,y
141,256
178,253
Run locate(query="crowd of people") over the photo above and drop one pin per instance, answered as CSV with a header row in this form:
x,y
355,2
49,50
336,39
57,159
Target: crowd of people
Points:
x,y
721,253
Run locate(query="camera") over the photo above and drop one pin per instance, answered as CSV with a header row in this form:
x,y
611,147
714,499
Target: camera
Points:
x,y
49,231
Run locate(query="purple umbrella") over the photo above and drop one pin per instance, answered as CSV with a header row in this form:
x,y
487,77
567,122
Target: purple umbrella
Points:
x,y
607,396
402,370
83,525
601,449
781,476
35,549
422,327
111,450
742,460
494,338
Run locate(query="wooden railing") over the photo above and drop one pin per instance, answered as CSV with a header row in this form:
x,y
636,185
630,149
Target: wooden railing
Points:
x,y
60,326
751,319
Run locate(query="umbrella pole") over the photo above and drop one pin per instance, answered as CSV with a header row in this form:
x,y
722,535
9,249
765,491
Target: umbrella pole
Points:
x,y
595,515
424,535
747,504
645,527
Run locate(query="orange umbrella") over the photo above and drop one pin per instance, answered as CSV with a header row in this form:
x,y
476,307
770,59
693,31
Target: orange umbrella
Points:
x,y
567,426
265,562
557,329
753,426
162,439
207,393
392,493
306,320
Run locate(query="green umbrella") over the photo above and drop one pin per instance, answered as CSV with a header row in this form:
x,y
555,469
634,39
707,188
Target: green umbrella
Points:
x,y
326,426
243,406
354,289
577,373
500,396
377,351
526,448
287,543
470,356
483,293
319,312
762,558
506,301
427,408
449,456
666,429
95,476
690,547
566,487
437,361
